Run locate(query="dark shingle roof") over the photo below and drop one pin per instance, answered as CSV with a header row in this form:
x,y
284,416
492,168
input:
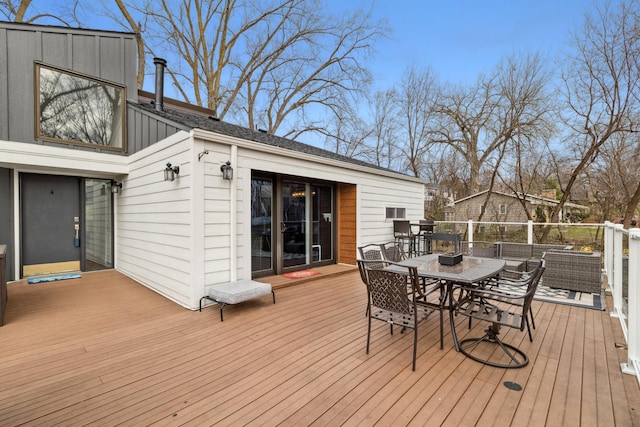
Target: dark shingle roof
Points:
x,y
192,120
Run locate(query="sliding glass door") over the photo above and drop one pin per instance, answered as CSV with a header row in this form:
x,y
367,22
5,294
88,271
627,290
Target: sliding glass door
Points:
x,y
292,224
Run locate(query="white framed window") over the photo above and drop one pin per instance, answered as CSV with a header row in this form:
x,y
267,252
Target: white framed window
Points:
x,y
395,213
78,109
503,209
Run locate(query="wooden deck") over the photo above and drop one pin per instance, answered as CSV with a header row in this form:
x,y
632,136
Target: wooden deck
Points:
x,y
104,350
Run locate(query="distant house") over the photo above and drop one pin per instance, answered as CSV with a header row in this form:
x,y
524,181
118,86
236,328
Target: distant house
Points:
x,y
505,207
95,175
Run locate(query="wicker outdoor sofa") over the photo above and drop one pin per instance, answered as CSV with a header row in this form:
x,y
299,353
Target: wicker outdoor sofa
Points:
x,y
573,270
565,268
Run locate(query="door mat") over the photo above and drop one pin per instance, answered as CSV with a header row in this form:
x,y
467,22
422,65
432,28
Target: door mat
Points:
x,y
301,274
52,278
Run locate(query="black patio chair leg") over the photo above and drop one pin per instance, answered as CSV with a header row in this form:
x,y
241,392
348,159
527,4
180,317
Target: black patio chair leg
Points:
x,y
415,347
533,322
368,334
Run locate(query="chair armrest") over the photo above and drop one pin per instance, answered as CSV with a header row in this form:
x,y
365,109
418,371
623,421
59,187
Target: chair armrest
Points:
x,y
504,296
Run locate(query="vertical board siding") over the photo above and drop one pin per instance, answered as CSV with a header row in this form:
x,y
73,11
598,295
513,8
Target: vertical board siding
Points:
x,y
108,55
143,130
20,101
347,224
4,88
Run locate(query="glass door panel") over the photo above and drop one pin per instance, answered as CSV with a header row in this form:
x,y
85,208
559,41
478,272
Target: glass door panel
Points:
x,y
261,229
322,210
98,224
294,224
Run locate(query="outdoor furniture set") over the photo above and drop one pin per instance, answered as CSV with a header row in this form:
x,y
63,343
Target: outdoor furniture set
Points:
x,y
472,288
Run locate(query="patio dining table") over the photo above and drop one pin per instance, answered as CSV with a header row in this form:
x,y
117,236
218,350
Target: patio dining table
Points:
x,y
469,271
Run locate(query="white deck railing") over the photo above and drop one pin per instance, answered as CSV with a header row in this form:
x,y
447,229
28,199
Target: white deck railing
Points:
x,y
626,293
623,277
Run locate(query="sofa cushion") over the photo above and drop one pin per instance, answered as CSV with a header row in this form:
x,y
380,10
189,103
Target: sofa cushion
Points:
x,y
238,291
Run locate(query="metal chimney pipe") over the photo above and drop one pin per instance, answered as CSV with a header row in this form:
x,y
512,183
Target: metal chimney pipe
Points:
x,y
160,64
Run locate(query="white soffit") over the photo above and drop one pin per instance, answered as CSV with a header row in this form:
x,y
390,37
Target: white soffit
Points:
x,y
24,156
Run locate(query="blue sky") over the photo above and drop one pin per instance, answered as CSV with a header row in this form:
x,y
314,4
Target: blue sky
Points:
x,y
459,39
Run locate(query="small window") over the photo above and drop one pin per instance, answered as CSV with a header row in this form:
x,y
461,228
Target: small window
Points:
x,y
395,213
72,108
503,209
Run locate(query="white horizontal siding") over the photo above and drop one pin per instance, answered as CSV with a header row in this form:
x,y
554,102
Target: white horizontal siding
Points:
x,y
154,220
176,237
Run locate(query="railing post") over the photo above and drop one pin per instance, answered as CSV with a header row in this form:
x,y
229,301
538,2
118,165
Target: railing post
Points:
x,y
617,276
608,253
633,309
530,232
470,234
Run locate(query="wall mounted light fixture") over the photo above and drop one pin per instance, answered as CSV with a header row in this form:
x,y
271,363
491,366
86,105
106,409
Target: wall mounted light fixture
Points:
x,y
116,187
170,172
227,171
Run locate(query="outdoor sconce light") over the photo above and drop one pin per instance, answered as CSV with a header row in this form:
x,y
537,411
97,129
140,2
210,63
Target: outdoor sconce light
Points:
x,y
170,172
116,187
227,171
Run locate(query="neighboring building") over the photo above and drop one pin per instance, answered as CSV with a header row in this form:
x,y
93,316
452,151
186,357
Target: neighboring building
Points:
x,y
504,207
95,175
437,202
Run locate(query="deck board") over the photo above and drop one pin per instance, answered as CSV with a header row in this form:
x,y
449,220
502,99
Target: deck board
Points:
x,y
105,350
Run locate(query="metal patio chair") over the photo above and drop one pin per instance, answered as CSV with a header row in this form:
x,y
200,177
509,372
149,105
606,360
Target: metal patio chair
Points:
x,y
393,251
499,306
403,234
371,252
389,302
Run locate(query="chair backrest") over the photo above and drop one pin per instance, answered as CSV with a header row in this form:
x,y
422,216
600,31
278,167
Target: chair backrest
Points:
x,y
392,251
532,286
401,227
371,252
364,265
388,289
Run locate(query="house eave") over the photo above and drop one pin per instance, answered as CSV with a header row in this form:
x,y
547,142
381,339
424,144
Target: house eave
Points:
x,y
284,152
41,158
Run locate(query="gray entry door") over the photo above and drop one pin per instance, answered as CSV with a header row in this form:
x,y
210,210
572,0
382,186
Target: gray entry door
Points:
x,y
50,212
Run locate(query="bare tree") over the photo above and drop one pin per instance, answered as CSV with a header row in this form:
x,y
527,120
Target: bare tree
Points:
x,y
525,170
347,134
137,29
383,142
418,93
506,107
263,63
614,176
601,85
